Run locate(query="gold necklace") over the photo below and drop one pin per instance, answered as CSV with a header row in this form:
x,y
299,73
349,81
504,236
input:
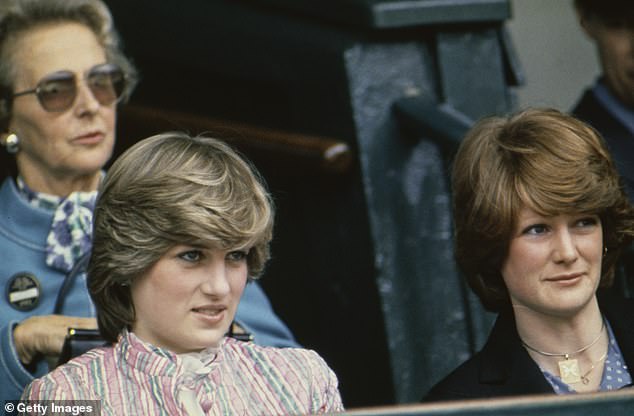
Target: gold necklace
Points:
x,y
569,371
584,378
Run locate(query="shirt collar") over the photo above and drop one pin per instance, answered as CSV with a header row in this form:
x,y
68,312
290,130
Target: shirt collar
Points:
x,y
37,199
156,361
621,112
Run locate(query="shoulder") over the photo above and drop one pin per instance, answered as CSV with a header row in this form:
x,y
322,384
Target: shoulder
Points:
x,y
300,359
501,368
9,196
297,366
7,189
461,383
614,305
587,105
300,376
590,110
474,377
617,309
71,381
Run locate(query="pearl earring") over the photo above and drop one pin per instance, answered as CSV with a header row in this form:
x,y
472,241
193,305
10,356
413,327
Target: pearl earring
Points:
x,y
12,143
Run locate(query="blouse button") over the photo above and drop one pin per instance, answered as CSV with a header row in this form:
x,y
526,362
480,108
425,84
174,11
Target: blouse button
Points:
x,y
206,405
189,382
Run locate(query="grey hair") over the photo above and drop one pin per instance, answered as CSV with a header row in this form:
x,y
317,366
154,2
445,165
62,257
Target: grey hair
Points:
x,y
18,16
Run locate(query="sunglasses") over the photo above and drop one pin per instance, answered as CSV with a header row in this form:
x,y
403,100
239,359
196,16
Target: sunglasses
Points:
x,y
57,92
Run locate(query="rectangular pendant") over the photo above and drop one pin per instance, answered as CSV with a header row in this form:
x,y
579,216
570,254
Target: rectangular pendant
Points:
x,y
569,371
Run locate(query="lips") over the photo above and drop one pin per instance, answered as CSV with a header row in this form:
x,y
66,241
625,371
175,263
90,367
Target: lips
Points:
x,y
210,315
565,277
209,310
89,137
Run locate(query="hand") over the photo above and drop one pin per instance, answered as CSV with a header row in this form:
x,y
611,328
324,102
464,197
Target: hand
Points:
x,y
45,334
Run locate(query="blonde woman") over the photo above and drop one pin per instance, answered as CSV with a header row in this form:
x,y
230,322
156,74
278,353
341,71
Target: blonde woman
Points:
x,y
166,278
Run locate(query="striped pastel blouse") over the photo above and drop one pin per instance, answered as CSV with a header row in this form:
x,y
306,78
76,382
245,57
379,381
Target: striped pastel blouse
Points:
x,y
238,378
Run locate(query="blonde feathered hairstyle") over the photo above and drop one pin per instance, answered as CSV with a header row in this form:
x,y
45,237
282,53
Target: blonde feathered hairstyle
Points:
x,y
166,190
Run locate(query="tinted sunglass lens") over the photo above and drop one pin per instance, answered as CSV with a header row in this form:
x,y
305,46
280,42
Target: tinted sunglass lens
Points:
x,y
57,92
107,83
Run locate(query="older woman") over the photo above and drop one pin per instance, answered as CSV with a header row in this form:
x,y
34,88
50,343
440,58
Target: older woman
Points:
x,y
62,74
540,218
166,278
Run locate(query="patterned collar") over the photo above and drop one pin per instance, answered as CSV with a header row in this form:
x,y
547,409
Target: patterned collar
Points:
x,y
156,361
70,235
38,199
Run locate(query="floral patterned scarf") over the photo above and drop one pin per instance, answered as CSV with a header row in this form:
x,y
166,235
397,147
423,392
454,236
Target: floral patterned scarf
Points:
x,y
70,235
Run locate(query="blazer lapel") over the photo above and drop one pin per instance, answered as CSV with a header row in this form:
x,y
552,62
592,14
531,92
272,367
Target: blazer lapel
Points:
x,y
506,366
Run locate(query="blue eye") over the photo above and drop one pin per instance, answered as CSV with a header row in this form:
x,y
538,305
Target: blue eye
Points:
x,y
588,222
237,255
191,256
535,229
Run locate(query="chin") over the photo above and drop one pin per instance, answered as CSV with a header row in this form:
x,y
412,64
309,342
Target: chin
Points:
x,y
91,165
569,309
196,345
209,340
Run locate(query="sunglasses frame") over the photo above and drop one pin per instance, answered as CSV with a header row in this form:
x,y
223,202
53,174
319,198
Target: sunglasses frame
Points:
x,y
110,68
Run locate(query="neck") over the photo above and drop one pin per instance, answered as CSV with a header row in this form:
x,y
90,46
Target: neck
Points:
x,y
559,333
61,186
549,340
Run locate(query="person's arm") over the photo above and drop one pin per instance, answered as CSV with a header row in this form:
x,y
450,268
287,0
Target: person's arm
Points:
x,y
37,335
44,335
14,377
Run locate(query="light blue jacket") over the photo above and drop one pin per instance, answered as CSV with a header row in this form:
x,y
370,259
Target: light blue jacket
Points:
x,y
23,233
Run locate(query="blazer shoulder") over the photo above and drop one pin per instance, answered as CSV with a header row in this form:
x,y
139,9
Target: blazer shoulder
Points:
x,y
501,368
461,383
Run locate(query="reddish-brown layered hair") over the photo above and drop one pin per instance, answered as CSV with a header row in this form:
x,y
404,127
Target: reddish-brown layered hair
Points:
x,y
542,159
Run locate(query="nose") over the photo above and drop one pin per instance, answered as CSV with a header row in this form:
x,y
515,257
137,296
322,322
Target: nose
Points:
x,y
215,282
565,247
85,100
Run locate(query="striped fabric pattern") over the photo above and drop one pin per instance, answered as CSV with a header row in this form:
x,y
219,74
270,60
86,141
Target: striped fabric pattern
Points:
x,y
136,378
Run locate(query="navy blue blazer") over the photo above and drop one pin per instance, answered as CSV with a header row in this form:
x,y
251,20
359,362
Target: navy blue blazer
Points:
x,y
504,368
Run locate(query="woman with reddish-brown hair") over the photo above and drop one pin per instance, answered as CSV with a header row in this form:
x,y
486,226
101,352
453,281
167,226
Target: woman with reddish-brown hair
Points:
x,y
540,220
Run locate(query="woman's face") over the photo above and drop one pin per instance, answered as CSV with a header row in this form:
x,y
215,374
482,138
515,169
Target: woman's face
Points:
x,y
187,300
554,263
68,145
